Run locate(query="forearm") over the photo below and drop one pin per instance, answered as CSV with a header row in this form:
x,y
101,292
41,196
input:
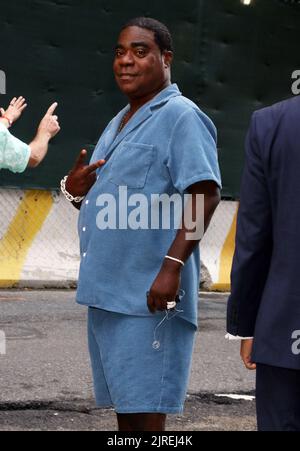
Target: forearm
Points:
x,y
167,283
39,149
188,239
181,248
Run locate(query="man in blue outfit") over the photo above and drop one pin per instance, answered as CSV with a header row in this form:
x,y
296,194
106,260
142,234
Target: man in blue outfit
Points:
x,y
133,267
265,295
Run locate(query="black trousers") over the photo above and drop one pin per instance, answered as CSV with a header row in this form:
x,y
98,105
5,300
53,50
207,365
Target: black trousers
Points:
x,y
277,398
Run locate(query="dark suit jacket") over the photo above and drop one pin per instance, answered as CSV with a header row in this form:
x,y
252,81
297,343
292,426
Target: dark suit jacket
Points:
x,y
265,278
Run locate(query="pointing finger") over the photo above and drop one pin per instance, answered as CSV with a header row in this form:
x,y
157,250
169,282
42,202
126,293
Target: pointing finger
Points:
x,y
52,108
93,167
80,160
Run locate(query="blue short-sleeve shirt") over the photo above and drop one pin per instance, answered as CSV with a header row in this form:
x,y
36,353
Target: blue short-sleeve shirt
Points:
x,y
14,154
168,145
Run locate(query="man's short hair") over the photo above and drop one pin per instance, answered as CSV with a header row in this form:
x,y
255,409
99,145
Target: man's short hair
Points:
x,y
161,32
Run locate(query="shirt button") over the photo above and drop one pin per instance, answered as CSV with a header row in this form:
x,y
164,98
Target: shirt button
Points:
x,y
84,229
84,255
86,202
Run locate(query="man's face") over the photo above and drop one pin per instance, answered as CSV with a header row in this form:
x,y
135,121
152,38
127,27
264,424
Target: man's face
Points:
x,y
139,66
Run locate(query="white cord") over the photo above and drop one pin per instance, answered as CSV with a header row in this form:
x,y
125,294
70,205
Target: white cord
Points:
x,y
168,316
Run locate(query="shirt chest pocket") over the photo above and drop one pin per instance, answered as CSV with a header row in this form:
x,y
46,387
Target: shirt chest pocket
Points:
x,y
130,164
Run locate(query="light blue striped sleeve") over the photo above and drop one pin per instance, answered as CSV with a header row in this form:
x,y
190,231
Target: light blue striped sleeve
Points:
x,y
14,154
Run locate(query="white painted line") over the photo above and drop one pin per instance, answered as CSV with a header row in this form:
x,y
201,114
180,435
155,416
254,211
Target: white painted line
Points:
x,y
237,397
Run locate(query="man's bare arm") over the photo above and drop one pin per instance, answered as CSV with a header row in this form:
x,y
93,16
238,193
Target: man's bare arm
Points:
x,y
167,283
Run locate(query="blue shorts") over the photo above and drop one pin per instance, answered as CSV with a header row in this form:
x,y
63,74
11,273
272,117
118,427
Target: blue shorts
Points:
x,y
140,365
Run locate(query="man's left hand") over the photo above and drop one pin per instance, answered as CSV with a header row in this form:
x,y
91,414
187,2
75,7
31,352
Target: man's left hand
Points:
x,y
165,287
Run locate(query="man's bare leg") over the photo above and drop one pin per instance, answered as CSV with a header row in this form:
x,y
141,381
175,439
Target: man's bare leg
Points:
x,y
141,422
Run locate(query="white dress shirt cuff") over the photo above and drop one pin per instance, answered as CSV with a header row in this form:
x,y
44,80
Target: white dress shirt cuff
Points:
x,y
237,337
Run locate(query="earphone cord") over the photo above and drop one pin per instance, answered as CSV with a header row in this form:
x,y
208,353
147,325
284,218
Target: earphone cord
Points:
x,y
156,343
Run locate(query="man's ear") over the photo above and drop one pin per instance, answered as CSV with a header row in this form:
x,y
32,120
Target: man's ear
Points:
x,y
167,58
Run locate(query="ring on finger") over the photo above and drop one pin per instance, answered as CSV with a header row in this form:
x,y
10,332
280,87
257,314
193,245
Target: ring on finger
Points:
x,y
171,305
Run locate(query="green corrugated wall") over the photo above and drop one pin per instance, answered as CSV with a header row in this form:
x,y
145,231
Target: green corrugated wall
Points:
x,y
230,59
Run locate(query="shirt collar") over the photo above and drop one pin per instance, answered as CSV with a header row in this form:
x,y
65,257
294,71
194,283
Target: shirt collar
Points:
x,y
165,95
114,138
162,97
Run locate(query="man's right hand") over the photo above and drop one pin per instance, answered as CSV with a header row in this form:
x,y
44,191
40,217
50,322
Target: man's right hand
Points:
x,y
49,126
246,353
82,177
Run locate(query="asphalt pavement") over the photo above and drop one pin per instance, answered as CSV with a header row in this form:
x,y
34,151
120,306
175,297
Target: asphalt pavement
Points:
x,y
46,379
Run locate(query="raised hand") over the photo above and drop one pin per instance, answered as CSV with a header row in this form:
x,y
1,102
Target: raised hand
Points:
x,y
47,129
82,177
15,109
49,125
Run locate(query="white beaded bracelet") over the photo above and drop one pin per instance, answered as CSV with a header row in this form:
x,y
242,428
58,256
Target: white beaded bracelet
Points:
x,y
174,259
67,195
